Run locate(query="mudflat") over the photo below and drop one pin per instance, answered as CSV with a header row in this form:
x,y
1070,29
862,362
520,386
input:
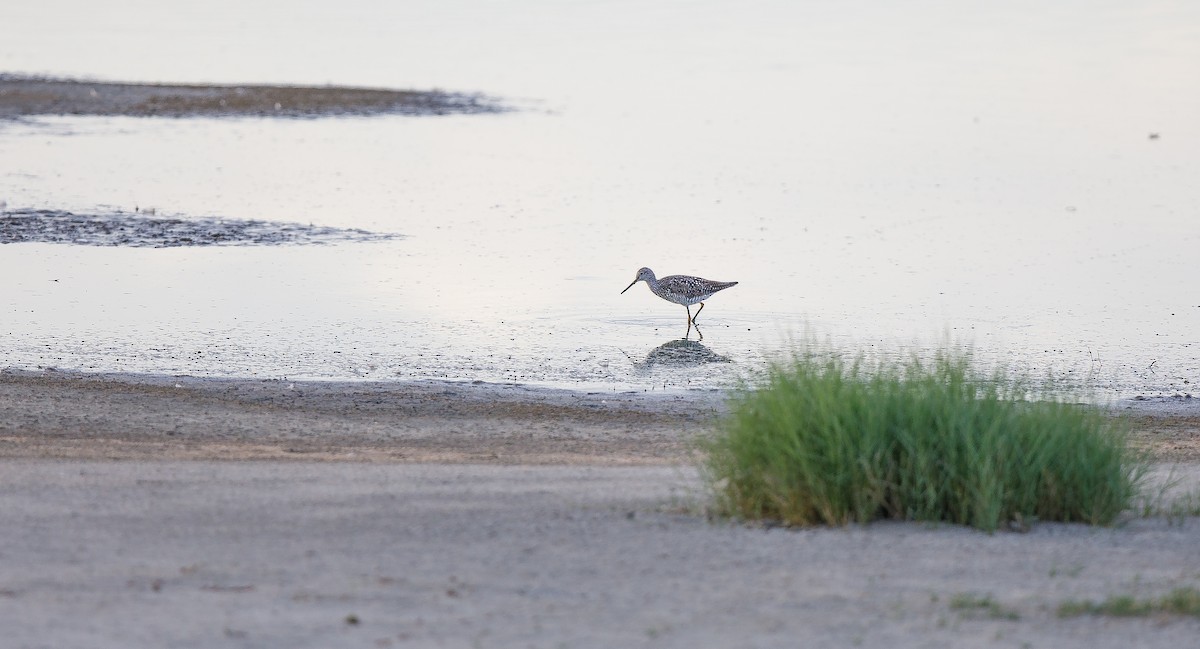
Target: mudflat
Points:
x,y
55,414
67,415
24,96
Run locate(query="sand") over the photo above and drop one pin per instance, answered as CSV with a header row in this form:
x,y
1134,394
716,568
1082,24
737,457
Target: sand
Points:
x,y
171,511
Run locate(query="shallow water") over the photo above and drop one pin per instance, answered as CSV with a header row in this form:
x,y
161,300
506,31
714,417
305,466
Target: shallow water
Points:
x,y
1018,178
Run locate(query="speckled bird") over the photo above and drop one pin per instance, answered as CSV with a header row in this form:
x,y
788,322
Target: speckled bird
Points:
x,y
681,289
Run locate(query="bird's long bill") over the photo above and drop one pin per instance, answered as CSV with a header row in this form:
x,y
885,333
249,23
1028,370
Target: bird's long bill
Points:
x,y
630,286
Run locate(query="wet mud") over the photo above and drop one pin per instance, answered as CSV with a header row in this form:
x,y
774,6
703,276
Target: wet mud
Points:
x,y
73,415
28,96
66,414
146,230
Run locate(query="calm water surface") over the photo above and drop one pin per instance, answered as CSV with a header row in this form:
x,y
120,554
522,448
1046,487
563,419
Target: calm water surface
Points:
x,y
1017,177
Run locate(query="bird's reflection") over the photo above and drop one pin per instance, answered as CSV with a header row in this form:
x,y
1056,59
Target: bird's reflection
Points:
x,y
680,353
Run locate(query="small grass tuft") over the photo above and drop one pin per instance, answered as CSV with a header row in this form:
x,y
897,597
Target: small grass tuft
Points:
x,y
1181,601
972,603
829,441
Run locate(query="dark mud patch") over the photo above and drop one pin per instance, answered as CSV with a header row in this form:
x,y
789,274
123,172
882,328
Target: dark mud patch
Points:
x,y
144,230
27,96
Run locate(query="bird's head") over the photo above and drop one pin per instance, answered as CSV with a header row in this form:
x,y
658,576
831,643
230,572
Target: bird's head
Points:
x,y
643,275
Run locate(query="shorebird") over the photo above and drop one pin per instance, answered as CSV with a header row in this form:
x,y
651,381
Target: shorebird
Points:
x,y
681,289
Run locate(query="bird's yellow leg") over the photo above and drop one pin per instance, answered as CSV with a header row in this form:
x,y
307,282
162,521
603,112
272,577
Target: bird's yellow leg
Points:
x,y
689,329
697,315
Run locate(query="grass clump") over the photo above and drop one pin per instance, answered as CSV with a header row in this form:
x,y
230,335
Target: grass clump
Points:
x,y
831,441
1181,601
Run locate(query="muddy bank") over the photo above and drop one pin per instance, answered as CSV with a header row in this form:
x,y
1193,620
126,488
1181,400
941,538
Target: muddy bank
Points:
x,y
147,230
26,96
66,415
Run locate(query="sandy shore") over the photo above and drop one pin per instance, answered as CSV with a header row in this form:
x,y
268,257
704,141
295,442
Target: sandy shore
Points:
x,y
163,511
